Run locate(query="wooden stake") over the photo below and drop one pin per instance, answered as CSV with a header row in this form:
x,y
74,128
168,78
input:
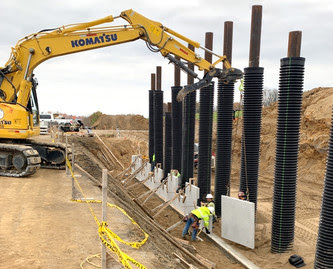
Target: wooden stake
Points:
x,y
154,190
109,151
134,174
185,263
141,182
166,204
174,226
104,211
67,169
74,192
127,169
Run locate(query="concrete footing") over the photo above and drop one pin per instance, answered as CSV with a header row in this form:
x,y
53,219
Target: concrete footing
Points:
x,y
184,206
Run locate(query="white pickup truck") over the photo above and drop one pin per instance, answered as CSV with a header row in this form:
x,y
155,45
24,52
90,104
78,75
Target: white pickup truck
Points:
x,y
48,120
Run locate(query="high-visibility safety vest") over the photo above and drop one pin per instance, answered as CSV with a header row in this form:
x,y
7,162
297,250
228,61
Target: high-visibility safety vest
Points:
x,y
211,204
202,213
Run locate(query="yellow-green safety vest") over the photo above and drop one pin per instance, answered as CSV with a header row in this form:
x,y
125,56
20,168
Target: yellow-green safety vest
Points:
x,y
211,204
202,213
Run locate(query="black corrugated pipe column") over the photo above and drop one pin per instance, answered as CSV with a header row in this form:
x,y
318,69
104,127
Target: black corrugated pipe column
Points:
x,y
225,105
151,118
177,121
188,137
151,125
167,143
158,123
253,91
287,142
324,251
225,102
205,139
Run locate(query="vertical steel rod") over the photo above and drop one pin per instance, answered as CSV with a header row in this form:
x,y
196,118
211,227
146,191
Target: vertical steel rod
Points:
x,y
209,45
177,74
153,81
190,79
227,43
158,78
255,36
294,44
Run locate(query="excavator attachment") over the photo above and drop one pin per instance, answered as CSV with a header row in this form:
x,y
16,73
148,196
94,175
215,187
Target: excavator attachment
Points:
x,y
226,75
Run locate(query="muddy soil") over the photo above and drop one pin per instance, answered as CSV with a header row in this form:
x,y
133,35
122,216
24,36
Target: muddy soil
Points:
x,y
314,137
167,218
41,228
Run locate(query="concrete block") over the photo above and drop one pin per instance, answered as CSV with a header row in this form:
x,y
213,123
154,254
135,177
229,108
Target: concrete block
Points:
x,y
238,221
167,192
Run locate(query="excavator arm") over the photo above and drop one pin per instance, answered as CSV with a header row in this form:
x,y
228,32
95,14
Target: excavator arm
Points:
x,y
18,100
32,50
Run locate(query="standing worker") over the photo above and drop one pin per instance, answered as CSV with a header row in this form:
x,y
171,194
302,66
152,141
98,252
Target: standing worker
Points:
x,y
241,195
210,203
153,163
194,218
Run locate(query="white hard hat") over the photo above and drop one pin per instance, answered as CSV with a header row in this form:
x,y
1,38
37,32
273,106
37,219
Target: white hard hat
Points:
x,y
209,196
211,209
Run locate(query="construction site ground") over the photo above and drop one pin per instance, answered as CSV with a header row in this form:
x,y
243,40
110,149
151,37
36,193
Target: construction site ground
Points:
x,y
42,228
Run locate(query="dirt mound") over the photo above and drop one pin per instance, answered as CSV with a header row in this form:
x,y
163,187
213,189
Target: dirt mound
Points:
x,y
123,122
314,138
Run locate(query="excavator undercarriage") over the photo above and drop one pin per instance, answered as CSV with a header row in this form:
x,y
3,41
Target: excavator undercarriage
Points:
x,y
24,158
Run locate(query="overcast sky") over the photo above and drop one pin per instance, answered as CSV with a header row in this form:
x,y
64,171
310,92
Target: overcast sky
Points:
x,y
116,79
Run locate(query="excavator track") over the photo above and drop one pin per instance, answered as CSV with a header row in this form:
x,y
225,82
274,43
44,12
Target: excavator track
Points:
x,y
53,155
18,160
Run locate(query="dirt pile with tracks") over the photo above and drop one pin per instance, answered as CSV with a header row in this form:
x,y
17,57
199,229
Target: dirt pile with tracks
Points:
x,y
314,138
112,122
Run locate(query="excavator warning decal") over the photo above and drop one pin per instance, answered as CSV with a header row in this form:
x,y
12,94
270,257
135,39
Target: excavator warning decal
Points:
x,y
154,30
93,40
183,51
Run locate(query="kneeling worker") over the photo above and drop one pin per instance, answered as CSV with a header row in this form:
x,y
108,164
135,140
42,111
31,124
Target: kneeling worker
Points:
x,y
201,213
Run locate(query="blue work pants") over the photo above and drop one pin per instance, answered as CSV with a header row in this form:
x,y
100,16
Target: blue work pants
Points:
x,y
188,224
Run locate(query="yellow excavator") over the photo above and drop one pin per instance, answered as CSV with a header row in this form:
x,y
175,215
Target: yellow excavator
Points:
x,y
19,113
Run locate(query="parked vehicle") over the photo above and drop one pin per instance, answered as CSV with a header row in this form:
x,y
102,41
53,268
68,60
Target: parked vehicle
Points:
x,y
196,157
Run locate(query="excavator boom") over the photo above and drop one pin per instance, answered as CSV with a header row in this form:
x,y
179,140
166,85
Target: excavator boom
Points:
x,y
19,116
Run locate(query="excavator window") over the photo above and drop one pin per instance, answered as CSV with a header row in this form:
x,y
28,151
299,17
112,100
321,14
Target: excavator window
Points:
x,y
33,103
